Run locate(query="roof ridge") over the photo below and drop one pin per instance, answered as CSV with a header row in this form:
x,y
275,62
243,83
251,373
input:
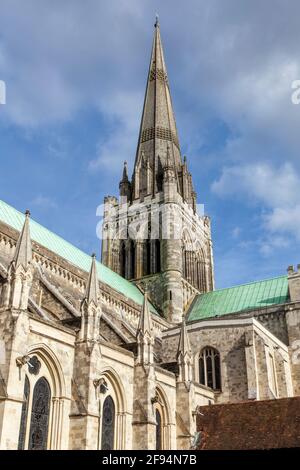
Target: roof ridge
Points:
x,y
245,284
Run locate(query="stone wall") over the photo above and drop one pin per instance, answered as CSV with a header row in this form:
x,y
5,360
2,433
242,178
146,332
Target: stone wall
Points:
x,y
229,338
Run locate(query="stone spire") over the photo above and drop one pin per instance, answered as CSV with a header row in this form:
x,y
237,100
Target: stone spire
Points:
x,y
23,253
90,306
125,186
19,279
144,335
158,126
92,291
125,172
184,355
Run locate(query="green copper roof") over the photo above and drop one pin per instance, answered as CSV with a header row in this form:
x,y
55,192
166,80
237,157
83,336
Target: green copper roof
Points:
x,y
69,252
240,298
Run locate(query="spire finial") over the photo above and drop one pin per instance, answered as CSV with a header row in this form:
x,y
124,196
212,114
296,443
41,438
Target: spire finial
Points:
x,y
184,343
156,21
145,323
23,253
125,172
91,293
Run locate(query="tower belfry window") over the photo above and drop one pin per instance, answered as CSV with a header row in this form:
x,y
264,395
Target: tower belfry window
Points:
x,y
131,260
122,259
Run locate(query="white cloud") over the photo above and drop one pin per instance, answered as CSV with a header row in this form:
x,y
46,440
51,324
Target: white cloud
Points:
x,y
236,232
270,243
44,202
120,145
230,64
284,220
262,182
274,189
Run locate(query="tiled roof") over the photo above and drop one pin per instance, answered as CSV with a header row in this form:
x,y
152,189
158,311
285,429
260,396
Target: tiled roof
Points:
x,y
240,298
267,424
40,234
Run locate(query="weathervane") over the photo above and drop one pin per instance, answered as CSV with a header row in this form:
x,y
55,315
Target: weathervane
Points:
x,y
156,20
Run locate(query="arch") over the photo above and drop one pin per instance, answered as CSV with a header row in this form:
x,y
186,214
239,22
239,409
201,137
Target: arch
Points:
x,y
48,367
163,408
53,365
186,238
113,377
116,390
209,366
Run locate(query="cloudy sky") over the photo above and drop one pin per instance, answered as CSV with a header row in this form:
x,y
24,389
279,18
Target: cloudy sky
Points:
x,y
75,73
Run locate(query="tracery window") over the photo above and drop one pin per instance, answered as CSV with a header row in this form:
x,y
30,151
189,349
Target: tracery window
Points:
x,y
209,368
38,434
108,424
42,417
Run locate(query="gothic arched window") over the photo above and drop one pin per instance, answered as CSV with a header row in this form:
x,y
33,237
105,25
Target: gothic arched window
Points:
x,y
201,272
158,430
209,368
38,434
22,432
122,259
108,424
131,260
146,257
148,243
157,256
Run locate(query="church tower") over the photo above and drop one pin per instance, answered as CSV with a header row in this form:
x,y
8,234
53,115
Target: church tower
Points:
x,y
153,234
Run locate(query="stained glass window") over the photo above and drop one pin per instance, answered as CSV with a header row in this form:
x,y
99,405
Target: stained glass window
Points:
x,y
39,415
108,424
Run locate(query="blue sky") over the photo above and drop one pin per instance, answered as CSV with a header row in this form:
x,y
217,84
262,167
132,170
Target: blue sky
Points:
x,y
75,74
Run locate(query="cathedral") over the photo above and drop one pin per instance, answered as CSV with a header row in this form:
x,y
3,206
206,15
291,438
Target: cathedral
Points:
x,y
126,352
